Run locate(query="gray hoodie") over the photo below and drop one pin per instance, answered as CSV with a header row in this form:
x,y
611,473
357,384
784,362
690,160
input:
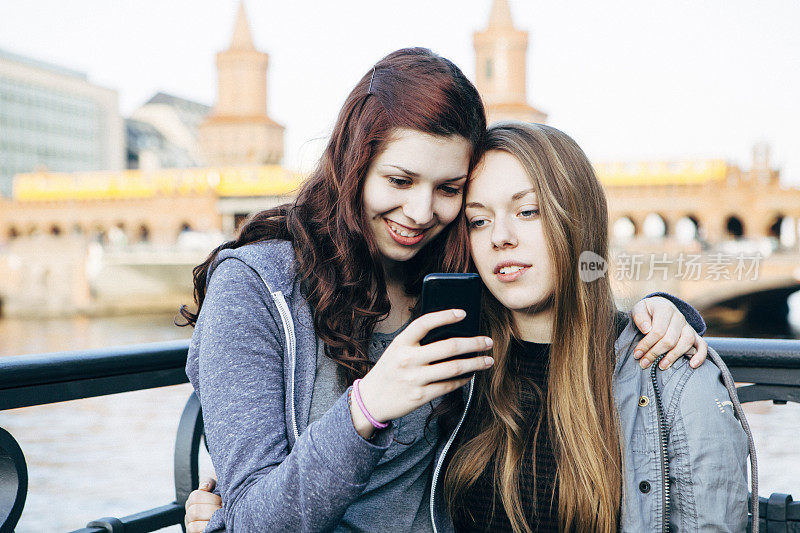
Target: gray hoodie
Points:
x,y
252,361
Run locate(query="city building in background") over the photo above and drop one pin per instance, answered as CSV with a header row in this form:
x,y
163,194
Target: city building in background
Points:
x,y
501,66
164,133
239,131
119,241
53,118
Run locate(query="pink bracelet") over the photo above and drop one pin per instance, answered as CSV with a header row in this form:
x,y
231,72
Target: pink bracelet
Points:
x,y
360,402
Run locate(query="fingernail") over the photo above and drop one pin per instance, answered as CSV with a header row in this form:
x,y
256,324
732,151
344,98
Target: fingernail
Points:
x,y
663,365
637,354
489,342
488,361
460,313
646,327
693,363
643,363
204,485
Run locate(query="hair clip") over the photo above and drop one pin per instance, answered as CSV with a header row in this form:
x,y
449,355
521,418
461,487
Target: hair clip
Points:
x,y
369,91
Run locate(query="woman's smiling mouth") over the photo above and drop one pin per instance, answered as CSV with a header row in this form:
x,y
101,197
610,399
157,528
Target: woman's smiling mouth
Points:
x,y
403,234
509,271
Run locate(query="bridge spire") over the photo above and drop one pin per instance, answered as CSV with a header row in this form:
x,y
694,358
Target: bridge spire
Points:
x,y
239,131
242,38
501,68
500,16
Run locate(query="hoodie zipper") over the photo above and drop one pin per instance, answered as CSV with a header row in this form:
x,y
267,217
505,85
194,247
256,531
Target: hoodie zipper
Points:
x,y
446,448
663,437
288,331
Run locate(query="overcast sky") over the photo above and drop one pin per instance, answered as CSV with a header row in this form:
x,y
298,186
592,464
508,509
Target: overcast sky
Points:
x,y
628,80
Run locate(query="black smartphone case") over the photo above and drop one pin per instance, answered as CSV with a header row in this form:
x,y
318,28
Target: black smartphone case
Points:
x,y
453,291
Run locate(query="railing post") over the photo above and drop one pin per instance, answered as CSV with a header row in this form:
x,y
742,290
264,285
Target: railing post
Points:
x,y
13,481
109,524
187,448
776,512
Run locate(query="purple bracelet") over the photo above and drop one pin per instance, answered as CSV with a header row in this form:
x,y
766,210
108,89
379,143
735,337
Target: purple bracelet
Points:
x,y
360,402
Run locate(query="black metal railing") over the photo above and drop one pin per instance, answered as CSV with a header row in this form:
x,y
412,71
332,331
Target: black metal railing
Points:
x,y
48,378
768,369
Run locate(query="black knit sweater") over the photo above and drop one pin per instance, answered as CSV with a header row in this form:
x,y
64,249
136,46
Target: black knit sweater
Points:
x,y
481,508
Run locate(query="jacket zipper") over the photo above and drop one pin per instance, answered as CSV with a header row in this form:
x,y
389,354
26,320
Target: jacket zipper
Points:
x,y
445,450
663,436
288,331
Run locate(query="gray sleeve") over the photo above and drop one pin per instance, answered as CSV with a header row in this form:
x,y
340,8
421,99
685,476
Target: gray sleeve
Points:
x,y
708,455
237,349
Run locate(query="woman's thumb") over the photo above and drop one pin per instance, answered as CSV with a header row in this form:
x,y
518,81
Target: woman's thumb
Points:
x,y
208,484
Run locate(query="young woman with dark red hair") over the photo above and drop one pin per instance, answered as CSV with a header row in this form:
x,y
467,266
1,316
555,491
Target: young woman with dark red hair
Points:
x,y
316,394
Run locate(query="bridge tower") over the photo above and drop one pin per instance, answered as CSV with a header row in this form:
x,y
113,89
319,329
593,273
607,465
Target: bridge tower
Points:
x,y
500,68
239,131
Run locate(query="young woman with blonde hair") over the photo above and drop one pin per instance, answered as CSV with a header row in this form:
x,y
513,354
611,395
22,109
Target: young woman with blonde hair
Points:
x,y
566,431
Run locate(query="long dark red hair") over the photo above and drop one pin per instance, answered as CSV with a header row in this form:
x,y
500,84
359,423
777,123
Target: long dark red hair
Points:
x,y
337,261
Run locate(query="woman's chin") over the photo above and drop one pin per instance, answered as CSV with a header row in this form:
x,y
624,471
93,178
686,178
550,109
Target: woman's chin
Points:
x,y
394,254
519,303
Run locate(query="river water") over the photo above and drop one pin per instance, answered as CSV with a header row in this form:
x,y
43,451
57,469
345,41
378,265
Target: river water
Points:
x,y
112,456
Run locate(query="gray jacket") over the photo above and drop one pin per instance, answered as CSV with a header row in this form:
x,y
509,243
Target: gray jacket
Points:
x,y
697,414
252,361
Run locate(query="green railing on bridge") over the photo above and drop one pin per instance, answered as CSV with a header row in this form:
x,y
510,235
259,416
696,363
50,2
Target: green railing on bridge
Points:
x,y
769,370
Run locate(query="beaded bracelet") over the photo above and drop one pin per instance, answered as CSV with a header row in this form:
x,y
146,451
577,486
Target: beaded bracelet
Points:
x,y
360,402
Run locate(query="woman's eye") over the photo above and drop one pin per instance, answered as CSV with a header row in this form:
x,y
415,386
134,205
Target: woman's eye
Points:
x,y
528,213
450,190
399,182
474,224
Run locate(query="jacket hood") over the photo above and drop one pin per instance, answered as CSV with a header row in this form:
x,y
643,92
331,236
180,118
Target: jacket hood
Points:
x,y
272,260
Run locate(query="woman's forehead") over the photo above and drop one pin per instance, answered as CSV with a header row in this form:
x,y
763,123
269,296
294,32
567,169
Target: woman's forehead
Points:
x,y
425,155
499,175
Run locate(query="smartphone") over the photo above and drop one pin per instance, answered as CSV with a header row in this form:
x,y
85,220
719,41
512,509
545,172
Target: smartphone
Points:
x,y
453,291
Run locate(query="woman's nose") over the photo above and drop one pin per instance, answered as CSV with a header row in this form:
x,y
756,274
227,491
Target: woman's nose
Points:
x,y
503,235
419,207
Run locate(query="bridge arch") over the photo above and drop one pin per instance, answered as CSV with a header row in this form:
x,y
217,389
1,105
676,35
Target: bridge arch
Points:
x,y
623,229
734,227
655,226
687,228
783,229
774,226
117,236
98,232
183,228
55,230
756,311
143,233
12,233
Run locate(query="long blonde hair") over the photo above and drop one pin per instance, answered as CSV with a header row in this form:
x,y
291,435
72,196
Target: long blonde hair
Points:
x,y
582,420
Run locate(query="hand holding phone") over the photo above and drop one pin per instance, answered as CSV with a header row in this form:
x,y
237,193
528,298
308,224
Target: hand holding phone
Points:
x,y
417,367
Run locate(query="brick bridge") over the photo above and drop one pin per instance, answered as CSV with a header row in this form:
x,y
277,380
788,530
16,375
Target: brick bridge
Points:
x,y
127,241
